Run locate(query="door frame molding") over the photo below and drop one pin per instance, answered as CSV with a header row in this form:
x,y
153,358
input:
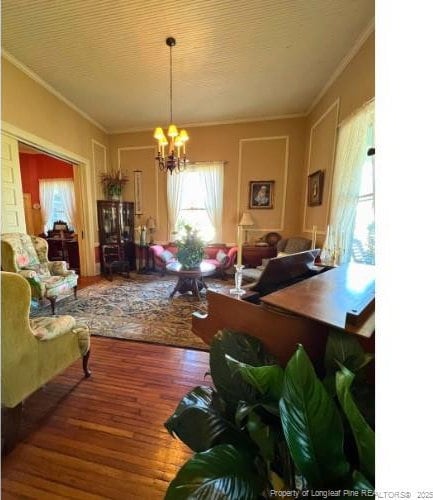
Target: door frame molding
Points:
x,y
86,240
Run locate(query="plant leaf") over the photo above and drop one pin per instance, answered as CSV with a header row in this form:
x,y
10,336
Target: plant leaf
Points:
x,y
362,432
345,349
199,424
241,347
360,483
268,380
311,423
263,435
222,472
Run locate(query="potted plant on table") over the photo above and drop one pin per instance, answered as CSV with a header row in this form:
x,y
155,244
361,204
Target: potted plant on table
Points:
x,y
190,248
113,183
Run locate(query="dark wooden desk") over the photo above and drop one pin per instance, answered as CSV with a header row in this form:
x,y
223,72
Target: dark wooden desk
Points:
x,y
64,249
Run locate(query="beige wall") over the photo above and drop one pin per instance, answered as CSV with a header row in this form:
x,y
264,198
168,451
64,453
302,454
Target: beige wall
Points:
x,y
31,108
354,87
267,150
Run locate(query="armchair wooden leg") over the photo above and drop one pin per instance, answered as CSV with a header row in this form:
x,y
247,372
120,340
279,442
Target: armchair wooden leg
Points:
x,y
75,291
53,304
11,420
86,370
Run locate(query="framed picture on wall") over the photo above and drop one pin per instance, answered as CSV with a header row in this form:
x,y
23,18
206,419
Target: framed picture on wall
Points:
x,y
137,192
261,194
315,188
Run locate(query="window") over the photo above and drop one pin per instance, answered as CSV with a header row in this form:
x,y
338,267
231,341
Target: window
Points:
x,y
351,235
57,202
195,198
193,208
363,243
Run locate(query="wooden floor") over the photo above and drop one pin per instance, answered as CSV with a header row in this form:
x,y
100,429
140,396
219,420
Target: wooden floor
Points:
x,y
104,437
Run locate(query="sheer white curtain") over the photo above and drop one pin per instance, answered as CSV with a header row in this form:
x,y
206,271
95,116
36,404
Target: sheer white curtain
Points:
x,y
174,199
47,191
66,188
63,189
352,146
212,177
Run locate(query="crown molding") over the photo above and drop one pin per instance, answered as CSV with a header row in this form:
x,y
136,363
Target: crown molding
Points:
x,y
210,124
343,63
30,73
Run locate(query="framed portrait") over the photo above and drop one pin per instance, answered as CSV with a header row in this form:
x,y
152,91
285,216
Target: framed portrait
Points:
x,y
261,194
137,192
315,188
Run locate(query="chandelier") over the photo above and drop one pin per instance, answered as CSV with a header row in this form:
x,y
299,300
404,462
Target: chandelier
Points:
x,y
175,160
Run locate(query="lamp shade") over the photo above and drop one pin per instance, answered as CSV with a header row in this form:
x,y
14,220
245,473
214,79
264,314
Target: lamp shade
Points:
x,y
158,134
172,131
246,220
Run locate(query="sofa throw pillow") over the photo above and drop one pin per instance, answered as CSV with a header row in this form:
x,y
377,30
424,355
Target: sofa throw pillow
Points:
x,y
221,257
166,256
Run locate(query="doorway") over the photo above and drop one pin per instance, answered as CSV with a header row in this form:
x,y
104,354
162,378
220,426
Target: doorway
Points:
x,y
44,173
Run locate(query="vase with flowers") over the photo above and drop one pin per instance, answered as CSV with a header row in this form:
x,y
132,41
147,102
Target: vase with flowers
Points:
x,y
190,248
113,183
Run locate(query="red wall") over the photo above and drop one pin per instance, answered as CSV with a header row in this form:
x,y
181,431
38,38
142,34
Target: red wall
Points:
x,y
36,166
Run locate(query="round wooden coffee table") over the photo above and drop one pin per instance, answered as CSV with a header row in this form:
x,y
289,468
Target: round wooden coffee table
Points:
x,y
190,280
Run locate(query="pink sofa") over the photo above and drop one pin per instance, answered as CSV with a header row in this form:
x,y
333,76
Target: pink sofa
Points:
x,y
161,257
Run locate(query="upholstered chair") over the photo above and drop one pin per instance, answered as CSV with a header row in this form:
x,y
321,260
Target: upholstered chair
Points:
x,y
293,244
33,351
28,256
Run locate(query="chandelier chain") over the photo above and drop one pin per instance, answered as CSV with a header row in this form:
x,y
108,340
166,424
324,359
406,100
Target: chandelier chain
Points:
x,y
171,84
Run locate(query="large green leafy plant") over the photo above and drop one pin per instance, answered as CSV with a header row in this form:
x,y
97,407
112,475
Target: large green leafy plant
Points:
x,y
264,428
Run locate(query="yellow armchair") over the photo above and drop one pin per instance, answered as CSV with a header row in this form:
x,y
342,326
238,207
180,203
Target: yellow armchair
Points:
x,y
28,256
33,351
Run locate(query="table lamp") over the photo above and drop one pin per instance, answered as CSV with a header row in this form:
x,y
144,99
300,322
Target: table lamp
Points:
x,y
246,221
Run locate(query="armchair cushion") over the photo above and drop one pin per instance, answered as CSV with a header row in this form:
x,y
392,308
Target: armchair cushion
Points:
x,y
50,327
42,270
293,244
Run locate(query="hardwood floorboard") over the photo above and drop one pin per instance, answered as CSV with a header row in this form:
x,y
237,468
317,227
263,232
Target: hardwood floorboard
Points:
x,y
104,437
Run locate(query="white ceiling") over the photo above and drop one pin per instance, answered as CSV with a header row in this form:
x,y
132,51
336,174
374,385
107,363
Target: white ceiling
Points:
x,y
234,59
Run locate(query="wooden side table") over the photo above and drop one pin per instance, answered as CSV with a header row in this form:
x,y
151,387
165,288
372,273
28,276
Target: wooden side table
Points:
x,y
190,280
144,255
252,255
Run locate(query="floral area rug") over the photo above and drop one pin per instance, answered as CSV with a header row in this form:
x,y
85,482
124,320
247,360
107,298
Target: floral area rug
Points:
x,y
138,308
